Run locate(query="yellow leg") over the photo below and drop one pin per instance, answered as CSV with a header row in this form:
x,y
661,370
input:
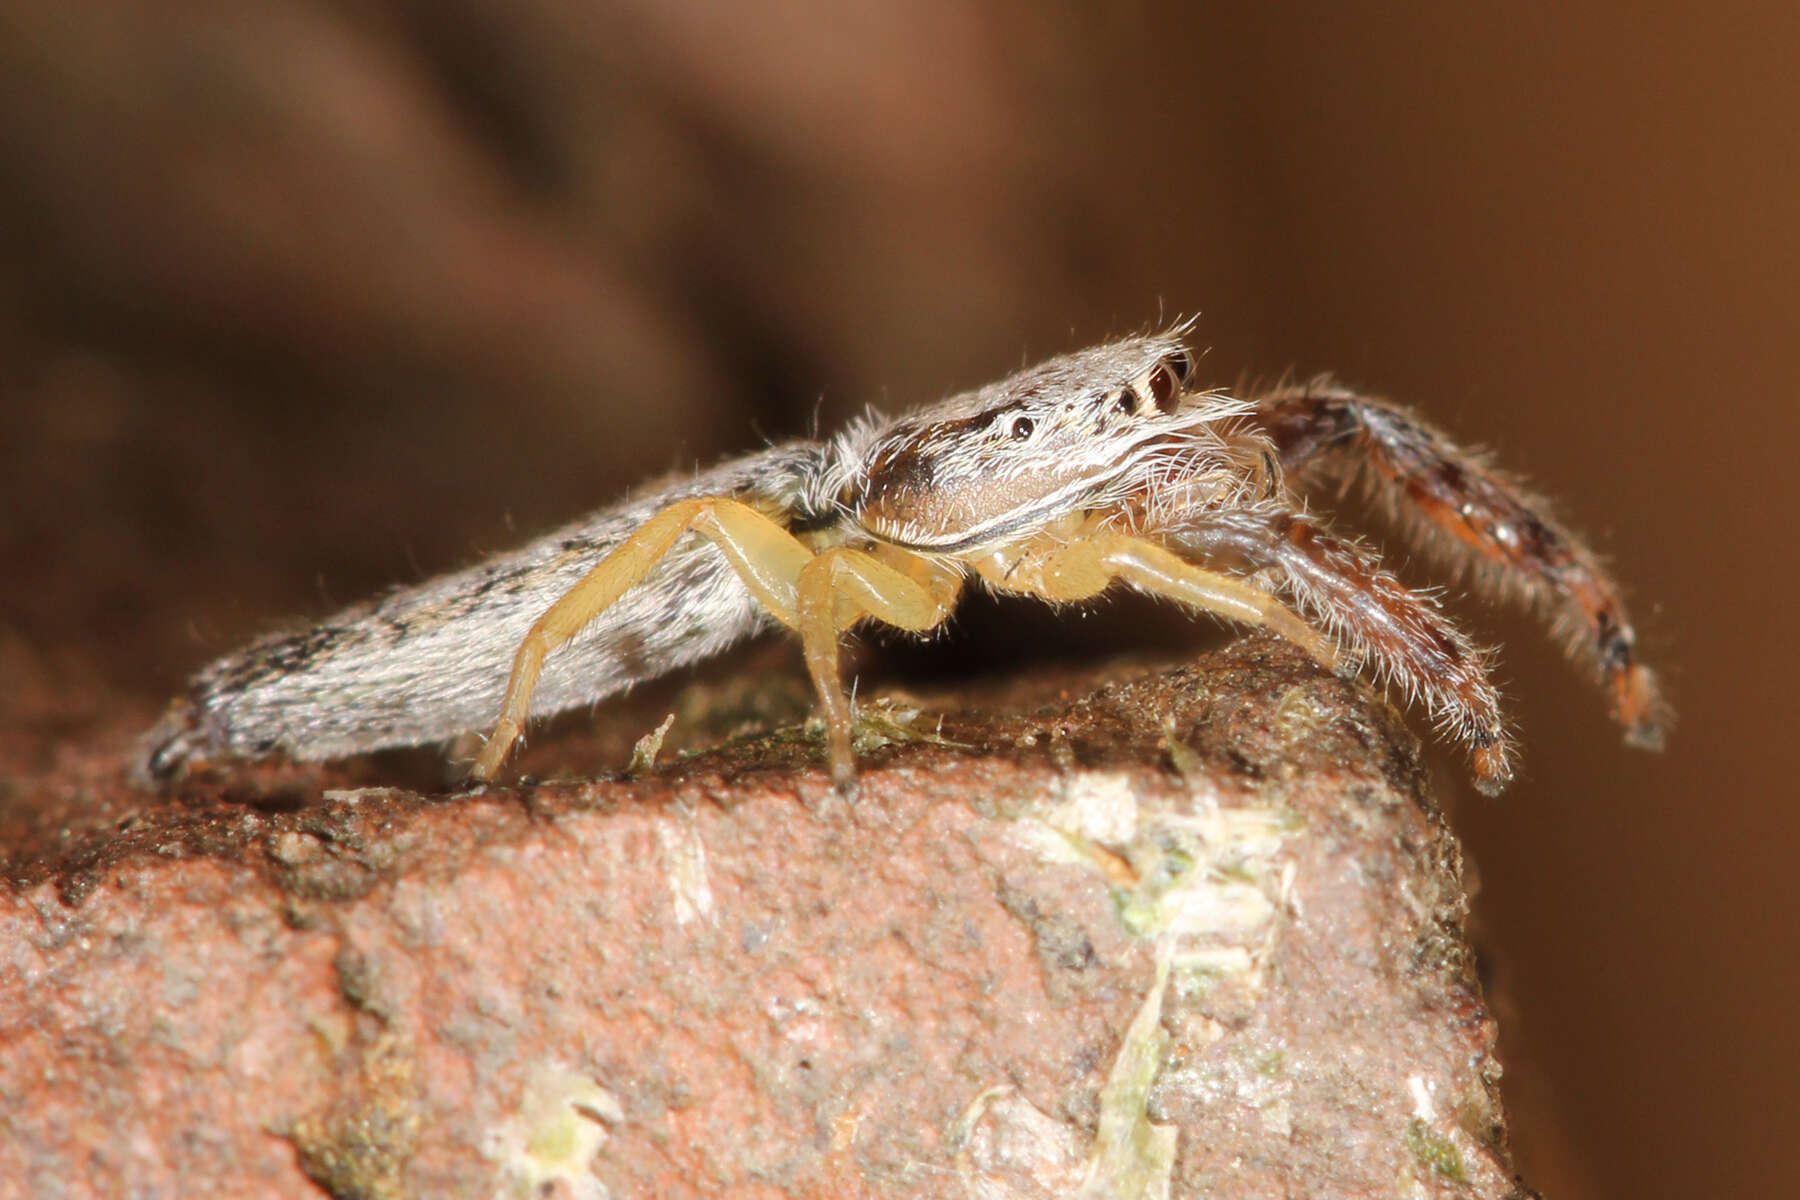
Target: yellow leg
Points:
x,y
1083,568
768,557
838,589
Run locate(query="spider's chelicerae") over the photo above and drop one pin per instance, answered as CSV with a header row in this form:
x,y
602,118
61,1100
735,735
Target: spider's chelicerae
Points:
x,y
1098,467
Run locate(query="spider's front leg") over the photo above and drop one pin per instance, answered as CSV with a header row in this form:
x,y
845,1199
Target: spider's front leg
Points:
x,y
1404,637
1491,525
1082,567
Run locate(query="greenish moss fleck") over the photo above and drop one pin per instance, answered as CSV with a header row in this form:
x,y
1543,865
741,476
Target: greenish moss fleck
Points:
x,y
357,1149
1433,1151
553,1141
1177,862
1138,914
1235,872
1133,1157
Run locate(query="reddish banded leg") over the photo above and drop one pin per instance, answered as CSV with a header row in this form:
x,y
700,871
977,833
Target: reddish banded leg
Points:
x,y
1491,524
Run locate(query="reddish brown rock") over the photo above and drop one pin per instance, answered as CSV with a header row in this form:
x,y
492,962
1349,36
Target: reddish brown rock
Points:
x,y
1193,933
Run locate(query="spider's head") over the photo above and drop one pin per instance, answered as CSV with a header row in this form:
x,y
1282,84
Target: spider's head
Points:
x,y
1070,434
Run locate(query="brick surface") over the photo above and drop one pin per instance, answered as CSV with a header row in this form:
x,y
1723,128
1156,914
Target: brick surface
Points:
x,y
1192,932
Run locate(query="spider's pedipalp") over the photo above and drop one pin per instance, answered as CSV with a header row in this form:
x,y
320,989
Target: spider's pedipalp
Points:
x,y
1475,517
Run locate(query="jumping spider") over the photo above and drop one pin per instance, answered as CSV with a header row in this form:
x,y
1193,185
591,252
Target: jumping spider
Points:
x,y
1101,466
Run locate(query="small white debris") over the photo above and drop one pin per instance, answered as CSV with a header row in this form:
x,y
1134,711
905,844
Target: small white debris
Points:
x,y
684,862
1423,1108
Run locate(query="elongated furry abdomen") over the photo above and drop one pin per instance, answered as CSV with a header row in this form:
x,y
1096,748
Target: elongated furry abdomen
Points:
x,y
428,662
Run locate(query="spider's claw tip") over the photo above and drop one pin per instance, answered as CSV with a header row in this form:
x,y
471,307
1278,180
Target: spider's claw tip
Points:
x,y
1640,707
844,785
1492,785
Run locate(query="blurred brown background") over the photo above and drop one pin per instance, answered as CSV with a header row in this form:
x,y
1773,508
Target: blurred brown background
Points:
x,y
300,298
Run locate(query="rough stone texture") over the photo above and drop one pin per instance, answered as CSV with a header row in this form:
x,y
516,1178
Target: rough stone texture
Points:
x,y
1193,932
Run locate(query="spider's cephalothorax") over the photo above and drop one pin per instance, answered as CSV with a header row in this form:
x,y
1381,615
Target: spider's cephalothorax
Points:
x,y
1073,434
1098,467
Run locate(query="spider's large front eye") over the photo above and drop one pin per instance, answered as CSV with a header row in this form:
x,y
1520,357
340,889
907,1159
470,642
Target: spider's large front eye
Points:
x,y
1165,380
1182,364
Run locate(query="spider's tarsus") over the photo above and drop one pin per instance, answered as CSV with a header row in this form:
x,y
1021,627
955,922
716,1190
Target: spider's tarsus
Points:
x,y
1646,735
1492,770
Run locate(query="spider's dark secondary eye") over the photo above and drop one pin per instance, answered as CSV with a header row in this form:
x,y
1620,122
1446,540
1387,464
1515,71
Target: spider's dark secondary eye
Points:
x,y
1125,400
1022,427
